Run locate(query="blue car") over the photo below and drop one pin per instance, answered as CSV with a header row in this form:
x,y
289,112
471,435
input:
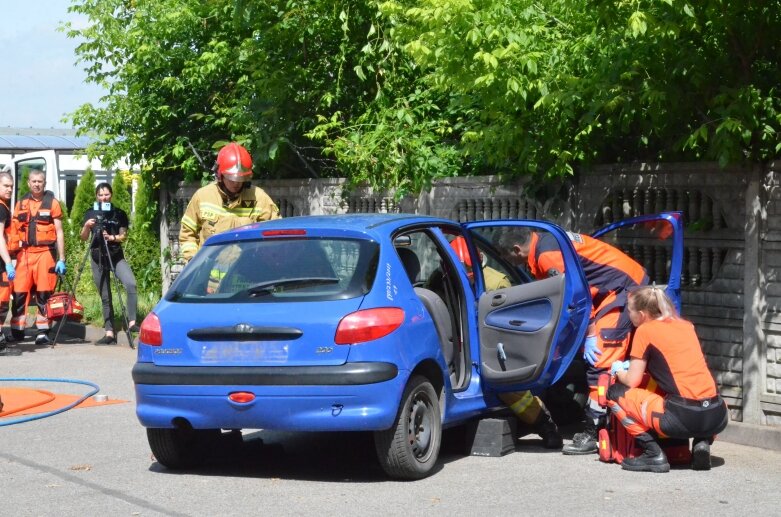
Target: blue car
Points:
x,y
365,322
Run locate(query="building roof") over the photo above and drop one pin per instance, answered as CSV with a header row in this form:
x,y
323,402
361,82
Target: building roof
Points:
x,y
17,142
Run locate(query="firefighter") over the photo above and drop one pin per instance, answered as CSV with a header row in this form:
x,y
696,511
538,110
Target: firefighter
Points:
x,y
7,268
666,347
229,202
528,408
36,230
609,273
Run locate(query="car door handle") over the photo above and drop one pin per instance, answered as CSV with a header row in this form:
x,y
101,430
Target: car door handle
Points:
x,y
516,323
498,299
500,353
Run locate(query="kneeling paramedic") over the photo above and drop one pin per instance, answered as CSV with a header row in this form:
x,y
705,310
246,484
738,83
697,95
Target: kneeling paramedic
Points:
x,y
666,347
36,232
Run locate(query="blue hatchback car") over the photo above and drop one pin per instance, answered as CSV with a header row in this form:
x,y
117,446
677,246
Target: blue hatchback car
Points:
x,y
364,323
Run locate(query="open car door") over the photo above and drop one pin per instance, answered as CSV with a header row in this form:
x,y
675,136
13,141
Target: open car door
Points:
x,y
530,331
656,242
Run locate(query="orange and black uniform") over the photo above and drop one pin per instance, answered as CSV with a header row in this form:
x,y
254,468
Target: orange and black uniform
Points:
x,y
686,403
35,234
5,284
610,273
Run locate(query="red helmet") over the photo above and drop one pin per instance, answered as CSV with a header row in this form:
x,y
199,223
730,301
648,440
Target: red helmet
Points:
x,y
234,163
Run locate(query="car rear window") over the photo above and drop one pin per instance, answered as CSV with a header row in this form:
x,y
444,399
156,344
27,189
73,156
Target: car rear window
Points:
x,y
278,270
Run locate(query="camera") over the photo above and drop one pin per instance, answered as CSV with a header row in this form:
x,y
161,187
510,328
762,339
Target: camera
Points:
x,y
101,210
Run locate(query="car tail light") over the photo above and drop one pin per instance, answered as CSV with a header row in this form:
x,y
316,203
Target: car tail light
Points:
x,y
367,325
151,332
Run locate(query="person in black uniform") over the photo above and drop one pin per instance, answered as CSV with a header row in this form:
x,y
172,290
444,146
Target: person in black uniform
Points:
x,y
114,222
7,270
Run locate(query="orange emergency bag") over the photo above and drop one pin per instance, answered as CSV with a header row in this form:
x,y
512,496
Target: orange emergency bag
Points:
x,y
63,304
615,443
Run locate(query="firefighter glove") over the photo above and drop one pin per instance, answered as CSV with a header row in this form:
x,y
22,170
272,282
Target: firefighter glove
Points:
x,y
60,267
619,366
591,352
9,268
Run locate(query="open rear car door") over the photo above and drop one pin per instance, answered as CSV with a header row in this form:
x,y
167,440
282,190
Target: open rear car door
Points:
x,y
656,242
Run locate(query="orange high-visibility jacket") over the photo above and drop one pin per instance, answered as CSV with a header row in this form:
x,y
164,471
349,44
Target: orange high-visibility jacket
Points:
x,y
33,222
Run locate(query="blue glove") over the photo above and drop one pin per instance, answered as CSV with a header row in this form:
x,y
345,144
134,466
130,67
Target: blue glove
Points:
x,y
9,268
590,351
60,267
619,366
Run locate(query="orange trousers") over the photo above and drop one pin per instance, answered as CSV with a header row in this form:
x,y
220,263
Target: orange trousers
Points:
x,y
34,273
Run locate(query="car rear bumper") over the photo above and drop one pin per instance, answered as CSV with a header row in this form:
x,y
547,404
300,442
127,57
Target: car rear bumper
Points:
x,y
339,375
350,397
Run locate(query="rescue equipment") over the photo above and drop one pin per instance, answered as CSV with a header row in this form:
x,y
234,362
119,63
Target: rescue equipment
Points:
x,y
63,304
615,443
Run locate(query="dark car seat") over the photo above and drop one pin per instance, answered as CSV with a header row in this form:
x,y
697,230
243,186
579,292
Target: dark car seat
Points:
x,y
433,304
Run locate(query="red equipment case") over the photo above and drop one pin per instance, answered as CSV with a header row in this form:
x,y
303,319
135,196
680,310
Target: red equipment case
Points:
x,y
615,443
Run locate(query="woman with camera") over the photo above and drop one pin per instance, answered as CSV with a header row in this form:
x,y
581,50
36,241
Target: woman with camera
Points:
x,y
107,226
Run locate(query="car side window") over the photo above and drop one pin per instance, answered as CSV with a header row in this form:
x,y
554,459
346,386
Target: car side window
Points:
x,y
522,254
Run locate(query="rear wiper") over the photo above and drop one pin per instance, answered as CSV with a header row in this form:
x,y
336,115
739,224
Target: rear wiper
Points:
x,y
275,285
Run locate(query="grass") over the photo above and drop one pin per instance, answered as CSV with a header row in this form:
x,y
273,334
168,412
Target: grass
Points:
x,y
93,308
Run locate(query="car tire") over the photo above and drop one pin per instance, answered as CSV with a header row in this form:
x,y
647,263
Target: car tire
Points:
x,y
410,448
181,448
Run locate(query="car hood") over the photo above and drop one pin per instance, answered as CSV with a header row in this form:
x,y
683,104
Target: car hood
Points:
x,y
266,334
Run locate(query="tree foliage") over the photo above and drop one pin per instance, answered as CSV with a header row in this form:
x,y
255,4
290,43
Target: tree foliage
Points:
x,y
142,249
398,93
120,196
83,199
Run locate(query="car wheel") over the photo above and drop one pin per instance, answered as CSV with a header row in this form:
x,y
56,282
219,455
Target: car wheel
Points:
x,y
181,448
410,448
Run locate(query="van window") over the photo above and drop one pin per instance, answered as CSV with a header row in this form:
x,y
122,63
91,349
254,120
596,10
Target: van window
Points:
x,y
23,169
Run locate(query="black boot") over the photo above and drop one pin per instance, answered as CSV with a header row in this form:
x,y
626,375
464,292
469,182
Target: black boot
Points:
x,y
546,428
584,442
653,458
701,453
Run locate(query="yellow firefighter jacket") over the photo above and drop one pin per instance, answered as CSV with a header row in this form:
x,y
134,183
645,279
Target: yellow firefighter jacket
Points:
x,y
209,212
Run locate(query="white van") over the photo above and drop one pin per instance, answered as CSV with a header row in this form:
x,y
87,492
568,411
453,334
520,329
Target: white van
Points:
x,y
63,168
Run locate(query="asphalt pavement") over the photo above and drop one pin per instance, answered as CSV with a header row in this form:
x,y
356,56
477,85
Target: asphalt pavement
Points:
x,y
96,461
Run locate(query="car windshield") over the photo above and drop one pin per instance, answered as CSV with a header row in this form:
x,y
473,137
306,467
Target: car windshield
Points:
x,y
278,270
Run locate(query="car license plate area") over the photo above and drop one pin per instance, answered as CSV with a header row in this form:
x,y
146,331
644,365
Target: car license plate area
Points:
x,y
244,352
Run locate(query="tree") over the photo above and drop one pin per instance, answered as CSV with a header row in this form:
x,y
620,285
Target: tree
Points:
x,y
120,193
75,249
83,198
184,75
397,93
143,249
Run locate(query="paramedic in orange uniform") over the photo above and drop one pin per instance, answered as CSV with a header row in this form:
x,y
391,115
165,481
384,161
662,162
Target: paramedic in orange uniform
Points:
x,y
609,273
666,347
37,232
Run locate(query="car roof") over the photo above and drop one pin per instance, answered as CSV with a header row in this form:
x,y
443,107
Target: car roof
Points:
x,y
374,226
